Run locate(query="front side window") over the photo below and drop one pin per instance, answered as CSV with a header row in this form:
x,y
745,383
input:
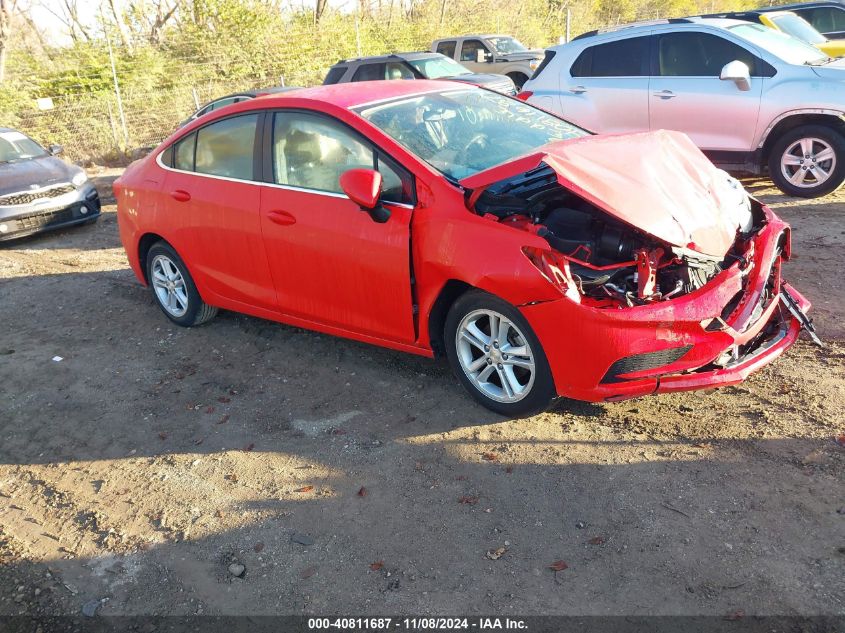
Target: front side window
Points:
x,y
397,70
312,152
470,48
227,147
447,48
369,72
223,103
693,54
465,131
623,58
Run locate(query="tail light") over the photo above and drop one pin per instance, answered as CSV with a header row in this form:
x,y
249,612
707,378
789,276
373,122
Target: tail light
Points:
x,y
525,95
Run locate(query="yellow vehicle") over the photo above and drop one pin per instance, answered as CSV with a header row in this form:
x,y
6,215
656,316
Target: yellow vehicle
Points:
x,y
792,24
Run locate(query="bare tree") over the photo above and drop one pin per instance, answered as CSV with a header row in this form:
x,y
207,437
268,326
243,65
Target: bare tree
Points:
x,y
7,7
68,14
123,31
319,9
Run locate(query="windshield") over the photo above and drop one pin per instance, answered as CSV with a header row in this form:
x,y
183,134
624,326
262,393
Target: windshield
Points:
x,y
463,132
798,27
506,45
786,47
16,146
439,66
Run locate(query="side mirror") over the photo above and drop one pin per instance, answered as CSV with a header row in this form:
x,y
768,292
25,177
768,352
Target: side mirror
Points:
x,y
55,150
737,72
363,186
482,56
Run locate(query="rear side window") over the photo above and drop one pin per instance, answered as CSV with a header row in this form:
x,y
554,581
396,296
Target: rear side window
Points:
x,y
369,72
226,148
334,75
623,58
447,48
167,156
694,54
184,153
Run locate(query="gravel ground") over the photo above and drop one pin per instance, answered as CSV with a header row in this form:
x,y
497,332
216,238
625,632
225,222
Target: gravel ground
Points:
x,y
247,467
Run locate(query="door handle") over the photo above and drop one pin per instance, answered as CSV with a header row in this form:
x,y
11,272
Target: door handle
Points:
x,y
665,94
577,90
281,217
181,195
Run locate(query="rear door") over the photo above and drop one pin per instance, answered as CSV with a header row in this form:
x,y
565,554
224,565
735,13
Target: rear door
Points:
x,y
606,88
687,95
212,196
331,263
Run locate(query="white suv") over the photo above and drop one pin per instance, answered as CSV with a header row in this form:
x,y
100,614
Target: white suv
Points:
x,y
751,97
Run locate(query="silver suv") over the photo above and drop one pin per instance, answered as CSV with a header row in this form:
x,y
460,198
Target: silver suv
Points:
x,y
750,97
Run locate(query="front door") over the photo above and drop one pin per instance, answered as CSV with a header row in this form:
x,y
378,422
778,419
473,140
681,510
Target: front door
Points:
x,y
331,263
687,95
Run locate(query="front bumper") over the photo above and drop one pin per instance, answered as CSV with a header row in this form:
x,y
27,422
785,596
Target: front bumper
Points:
x,y
77,206
713,337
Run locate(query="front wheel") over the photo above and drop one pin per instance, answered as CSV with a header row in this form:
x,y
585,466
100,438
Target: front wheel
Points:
x,y
496,355
808,161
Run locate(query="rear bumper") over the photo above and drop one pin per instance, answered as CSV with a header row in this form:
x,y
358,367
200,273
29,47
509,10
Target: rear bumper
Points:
x,y
23,220
712,337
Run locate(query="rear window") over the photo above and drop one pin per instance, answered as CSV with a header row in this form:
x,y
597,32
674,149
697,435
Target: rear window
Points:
x,y
334,75
623,58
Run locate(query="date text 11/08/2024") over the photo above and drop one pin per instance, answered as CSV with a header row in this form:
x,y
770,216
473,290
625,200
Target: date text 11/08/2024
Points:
x,y
416,624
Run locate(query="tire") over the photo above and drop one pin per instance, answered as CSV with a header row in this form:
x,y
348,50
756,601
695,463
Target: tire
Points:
x,y
518,80
185,308
793,147
471,362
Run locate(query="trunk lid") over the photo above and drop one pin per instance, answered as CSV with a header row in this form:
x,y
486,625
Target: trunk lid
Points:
x,y
658,182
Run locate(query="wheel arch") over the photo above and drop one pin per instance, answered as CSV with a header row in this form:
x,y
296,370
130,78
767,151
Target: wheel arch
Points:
x,y
792,120
449,293
144,245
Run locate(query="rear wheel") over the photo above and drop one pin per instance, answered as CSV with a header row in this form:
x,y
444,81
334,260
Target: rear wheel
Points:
x,y
174,289
808,161
496,355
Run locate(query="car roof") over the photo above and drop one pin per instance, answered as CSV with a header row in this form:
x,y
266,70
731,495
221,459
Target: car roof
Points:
x,y
353,94
377,58
253,93
718,22
802,5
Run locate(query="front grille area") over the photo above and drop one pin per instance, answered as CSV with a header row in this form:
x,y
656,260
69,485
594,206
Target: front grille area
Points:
x,y
26,197
41,220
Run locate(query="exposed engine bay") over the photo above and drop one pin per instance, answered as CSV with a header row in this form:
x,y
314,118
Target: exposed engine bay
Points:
x,y
607,259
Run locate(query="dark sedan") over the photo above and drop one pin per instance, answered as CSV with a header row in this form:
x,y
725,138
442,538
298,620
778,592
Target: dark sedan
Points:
x,y
38,190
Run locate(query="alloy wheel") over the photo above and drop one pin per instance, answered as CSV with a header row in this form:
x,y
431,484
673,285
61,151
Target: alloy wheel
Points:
x,y
495,356
169,286
808,162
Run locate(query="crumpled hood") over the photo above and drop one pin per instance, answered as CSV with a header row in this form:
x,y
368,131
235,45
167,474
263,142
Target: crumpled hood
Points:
x,y
658,182
21,175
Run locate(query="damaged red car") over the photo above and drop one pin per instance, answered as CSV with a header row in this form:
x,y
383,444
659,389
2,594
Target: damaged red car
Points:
x,y
541,260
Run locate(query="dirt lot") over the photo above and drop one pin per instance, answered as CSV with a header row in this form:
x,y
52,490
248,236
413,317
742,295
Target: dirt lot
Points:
x,y
349,479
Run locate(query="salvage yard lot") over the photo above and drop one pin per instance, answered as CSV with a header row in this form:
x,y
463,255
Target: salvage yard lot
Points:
x,y
151,464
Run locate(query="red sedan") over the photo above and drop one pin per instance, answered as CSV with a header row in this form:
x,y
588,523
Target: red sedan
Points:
x,y
435,219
